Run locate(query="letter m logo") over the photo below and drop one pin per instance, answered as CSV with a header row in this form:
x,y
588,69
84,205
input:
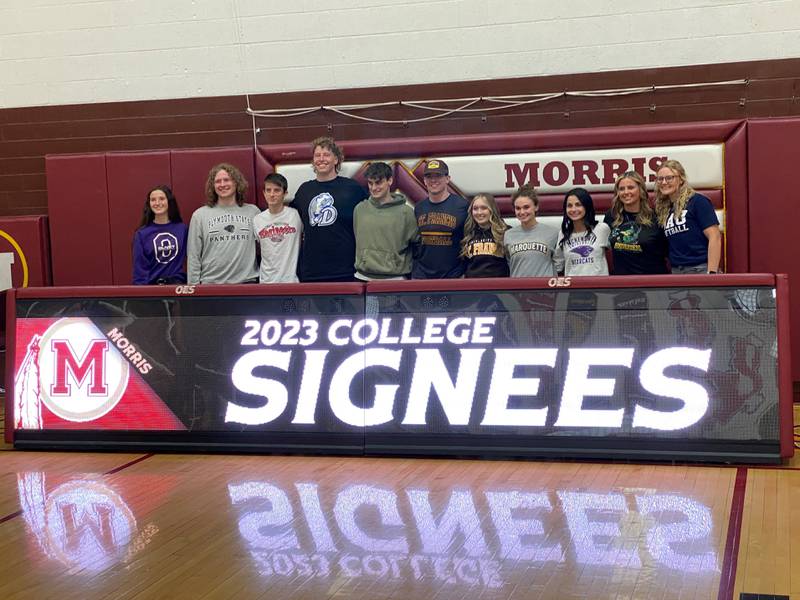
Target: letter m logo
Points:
x,y
517,175
91,364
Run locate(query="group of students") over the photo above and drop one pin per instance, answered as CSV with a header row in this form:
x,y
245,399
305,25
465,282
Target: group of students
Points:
x,y
335,230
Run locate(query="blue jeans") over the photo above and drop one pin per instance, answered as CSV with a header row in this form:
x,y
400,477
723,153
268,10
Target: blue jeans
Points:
x,y
691,270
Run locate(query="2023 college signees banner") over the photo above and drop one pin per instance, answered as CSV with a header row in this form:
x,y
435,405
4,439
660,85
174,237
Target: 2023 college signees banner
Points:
x,y
660,372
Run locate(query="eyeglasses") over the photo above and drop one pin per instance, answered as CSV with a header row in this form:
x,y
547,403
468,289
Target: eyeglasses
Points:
x,y
666,179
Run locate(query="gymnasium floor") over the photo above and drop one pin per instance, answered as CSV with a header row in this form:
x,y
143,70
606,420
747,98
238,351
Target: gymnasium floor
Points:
x,y
142,526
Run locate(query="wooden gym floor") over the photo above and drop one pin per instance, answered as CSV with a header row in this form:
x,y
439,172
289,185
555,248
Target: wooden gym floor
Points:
x,y
142,526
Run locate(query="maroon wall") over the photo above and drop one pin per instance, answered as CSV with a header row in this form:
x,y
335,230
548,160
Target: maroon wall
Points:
x,y
130,176
736,252
773,159
27,135
96,203
80,235
28,240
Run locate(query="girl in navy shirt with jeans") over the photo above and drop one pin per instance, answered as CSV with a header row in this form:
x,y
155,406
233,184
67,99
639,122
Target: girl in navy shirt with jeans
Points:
x,y
689,222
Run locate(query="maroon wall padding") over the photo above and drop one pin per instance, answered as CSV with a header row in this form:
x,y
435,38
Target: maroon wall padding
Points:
x,y
736,251
131,175
262,168
77,204
190,170
412,187
32,236
773,155
785,391
529,141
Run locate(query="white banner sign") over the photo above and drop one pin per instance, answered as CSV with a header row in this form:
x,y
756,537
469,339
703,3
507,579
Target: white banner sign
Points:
x,y
555,172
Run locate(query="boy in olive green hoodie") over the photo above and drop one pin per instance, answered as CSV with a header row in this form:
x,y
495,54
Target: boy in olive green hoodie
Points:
x,y
385,228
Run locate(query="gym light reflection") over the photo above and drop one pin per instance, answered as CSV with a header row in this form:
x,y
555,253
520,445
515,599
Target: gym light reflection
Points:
x,y
460,536
85,524
375,532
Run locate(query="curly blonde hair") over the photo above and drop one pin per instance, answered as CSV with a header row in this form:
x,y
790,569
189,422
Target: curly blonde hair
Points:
x,y
238,179
685,191
327,143
496,223
646,215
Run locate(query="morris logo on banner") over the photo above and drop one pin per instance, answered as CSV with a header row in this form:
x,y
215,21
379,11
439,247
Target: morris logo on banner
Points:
x,y
71,372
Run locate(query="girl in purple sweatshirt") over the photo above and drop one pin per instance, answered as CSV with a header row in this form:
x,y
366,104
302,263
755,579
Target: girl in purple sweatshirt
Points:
x,y
159,245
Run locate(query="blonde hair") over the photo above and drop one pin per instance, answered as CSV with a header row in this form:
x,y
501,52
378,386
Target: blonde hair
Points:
x,y
645,216
496,223
685,191
327,143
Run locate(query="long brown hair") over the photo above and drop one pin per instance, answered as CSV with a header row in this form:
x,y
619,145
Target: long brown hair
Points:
x,y
173,212
645,216
685,191
496,224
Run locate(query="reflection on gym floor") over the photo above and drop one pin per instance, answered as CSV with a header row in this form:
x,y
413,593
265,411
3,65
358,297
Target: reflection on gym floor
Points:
x,y
325,527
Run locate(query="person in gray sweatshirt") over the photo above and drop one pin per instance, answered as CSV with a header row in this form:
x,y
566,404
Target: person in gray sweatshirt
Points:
x,y
222,245
530,246
385,229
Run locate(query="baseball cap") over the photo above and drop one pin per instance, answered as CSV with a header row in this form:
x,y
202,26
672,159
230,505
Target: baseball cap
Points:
x,y
438,167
